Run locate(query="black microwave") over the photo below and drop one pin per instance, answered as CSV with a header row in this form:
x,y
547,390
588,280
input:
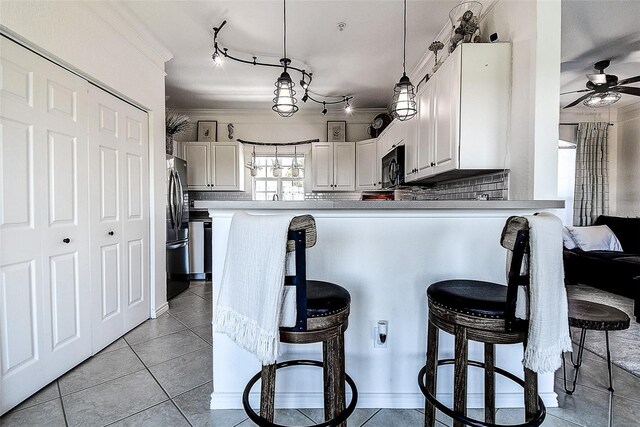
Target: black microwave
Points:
x,y
393,168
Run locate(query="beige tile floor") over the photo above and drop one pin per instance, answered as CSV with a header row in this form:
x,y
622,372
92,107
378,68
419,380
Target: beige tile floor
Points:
x,y
159,374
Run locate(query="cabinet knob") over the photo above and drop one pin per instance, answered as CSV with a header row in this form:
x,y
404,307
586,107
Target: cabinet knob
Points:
x,y
111,233
433,164
66,240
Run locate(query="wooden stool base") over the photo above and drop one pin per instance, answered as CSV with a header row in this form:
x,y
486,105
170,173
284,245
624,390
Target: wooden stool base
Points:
x,y
264,422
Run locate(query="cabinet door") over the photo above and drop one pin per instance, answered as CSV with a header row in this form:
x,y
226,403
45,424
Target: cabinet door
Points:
x,y
226,165
198,156
344,164
426,128
367,165
45,326
118,141
106,162
447,94
322,162
135,215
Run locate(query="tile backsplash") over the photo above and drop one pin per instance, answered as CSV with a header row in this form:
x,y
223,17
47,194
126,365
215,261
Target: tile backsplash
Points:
x,y
494,186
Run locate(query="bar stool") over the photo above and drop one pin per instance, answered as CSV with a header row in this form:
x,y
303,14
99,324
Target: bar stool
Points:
x,y
483,312
322,310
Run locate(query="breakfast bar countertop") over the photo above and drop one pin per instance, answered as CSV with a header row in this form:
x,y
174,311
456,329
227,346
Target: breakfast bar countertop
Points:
x,y
380,204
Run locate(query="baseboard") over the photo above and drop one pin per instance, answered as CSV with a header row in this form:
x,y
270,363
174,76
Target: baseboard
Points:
x,y
221,400
161,310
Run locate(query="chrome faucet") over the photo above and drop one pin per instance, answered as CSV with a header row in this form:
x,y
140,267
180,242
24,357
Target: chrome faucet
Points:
x,y
275,198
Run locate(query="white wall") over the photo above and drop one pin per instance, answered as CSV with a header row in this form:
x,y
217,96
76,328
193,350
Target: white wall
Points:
x,y
104,44
628,164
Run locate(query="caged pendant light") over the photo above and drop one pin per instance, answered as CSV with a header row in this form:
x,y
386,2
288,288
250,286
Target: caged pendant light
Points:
x,y
403,105
285,101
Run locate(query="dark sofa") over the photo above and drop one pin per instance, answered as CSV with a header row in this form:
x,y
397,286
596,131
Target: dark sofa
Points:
x,y
616,272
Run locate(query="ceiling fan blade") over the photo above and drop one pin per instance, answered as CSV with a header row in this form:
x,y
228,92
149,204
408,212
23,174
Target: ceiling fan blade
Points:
x,y
629,80
576,91
578,101
628,90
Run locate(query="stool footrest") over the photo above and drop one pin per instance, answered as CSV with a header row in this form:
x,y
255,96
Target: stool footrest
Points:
x,y
335,421
536,421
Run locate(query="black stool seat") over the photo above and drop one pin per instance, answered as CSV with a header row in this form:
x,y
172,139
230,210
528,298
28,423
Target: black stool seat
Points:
x,y
325,299
471,297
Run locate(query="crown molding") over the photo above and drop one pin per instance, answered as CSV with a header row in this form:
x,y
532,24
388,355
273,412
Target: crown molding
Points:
x,y
629,112
118,17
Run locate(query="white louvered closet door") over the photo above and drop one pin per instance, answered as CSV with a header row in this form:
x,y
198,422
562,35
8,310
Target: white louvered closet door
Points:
x,y
45,324
118,134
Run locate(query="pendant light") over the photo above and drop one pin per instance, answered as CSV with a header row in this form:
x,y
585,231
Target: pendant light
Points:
x,y
403,105
285,101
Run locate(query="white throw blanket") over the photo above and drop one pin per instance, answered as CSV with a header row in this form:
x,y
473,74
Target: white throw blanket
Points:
x,y
548,314
252,290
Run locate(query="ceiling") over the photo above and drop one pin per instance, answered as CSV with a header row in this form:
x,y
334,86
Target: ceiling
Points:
x,y
363,60
593,30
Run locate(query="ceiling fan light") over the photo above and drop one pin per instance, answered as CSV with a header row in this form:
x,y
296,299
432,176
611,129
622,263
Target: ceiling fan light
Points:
x,y
403,104
285,101
602,99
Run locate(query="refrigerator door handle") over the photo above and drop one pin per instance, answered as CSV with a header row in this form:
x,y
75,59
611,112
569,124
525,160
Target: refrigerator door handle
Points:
x,y
180,201
177,245
170,197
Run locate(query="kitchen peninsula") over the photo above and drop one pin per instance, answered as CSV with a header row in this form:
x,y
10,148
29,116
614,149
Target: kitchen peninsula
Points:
x,y
385,253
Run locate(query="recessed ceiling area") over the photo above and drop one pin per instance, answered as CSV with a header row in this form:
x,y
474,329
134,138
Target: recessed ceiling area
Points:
x,y
363,60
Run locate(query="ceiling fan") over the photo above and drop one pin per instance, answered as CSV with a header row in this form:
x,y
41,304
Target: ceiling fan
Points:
x,y
604,89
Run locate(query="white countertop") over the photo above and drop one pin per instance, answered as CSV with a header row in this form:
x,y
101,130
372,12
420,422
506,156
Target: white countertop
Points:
x,y
380,204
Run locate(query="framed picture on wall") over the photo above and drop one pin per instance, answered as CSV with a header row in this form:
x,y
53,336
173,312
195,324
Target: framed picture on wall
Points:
x,y
337,131
207,131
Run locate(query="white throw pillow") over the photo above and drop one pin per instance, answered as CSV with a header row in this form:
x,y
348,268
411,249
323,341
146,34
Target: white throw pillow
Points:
x,y
595,238
567,239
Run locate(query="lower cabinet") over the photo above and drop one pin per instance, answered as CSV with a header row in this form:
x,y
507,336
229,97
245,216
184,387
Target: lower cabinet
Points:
x,y
68,287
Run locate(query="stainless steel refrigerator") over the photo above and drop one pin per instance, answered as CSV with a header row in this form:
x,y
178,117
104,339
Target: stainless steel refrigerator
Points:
x,y
177,227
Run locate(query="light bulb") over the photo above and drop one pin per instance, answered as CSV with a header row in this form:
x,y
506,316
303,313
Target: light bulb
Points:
x,y
285,101
217,59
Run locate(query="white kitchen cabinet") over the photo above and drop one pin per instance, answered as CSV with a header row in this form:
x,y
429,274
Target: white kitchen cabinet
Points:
x,y
118,158
45,325
214,166
367,165
462,124
333,165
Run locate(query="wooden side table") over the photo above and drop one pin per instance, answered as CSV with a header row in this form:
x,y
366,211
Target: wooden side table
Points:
x,y
588,315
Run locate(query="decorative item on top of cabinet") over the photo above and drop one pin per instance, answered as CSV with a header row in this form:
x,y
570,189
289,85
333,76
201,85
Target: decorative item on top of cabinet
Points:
x,y
464,19
207,130
214,166
435,47
455,138
333,165
175,123
337,131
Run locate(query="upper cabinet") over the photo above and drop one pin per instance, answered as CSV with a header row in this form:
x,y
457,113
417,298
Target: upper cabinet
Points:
x,y
333,165
214,166
463,110
367,165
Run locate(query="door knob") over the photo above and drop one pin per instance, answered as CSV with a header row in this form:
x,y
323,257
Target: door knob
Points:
x,y
111,233
66,240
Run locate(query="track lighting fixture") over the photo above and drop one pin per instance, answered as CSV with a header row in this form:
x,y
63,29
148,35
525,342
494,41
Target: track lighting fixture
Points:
x,y
403,104
347,106
284,100
324,108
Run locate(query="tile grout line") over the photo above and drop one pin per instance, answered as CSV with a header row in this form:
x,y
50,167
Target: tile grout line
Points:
x,y
181,411
64,413
371,417
137,412
103,382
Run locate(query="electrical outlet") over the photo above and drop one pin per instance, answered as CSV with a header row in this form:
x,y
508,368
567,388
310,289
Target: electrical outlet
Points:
x,y
381,334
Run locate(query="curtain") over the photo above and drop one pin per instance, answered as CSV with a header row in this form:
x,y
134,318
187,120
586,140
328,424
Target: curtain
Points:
x,y
591,196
